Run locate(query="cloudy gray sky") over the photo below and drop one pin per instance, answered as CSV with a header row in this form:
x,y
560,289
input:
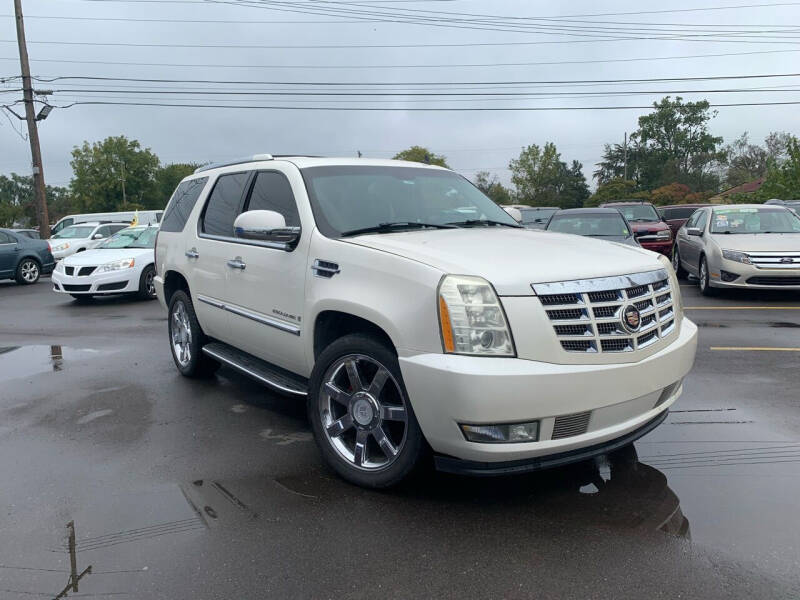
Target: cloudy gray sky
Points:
x,y
419,47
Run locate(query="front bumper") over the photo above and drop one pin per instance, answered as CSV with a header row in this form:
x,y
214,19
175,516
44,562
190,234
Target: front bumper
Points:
x,y
664,247
752,277
446,390
112,282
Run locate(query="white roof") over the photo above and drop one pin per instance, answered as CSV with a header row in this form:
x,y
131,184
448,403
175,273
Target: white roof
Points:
x,y
303,162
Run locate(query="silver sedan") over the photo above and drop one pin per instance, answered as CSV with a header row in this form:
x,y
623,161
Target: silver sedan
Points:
x,y
740,246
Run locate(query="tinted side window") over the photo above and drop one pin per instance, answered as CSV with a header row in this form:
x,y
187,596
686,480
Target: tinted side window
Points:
x,y
6,239
702,217
115,228
223,205
181,204
692,220
105,231
272,191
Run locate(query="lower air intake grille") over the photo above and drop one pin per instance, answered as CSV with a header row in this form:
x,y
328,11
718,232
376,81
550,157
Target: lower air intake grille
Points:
x,y
571,425
77,288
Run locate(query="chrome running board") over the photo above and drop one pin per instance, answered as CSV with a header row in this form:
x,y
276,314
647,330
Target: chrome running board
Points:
x,y
260,370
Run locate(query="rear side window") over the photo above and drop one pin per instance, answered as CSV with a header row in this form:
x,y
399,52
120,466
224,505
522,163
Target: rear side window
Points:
x,y
272,191
223,205
181,204
6,239
678,213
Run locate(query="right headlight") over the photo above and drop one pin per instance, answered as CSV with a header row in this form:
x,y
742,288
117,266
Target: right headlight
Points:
x,y
61,247
737,256
471,318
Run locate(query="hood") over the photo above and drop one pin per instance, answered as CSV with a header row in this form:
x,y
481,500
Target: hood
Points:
x,y
643,228
91,258
758,242
513,259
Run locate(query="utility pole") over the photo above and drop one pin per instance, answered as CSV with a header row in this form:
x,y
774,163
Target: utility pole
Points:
x,y
625,154
40,197
124,197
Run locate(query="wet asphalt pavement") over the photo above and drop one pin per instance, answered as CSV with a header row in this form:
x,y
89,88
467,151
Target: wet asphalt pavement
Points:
x,y
214,489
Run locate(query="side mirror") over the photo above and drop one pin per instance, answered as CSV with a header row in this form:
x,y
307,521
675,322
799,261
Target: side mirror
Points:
x,y
97,236
695,231
266,226
514,213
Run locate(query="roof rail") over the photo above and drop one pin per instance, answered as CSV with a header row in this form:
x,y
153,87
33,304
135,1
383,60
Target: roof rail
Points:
x,y
254,158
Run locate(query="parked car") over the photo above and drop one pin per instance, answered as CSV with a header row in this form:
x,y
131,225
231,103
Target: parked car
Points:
x,y
740,246
648,228
605,223
146,217
347,282
78,238
122,264
790,204
29,233
532,217
676,215
23,258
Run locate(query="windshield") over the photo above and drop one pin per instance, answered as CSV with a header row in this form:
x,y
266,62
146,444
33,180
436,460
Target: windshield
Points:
x,y
133,237
754,220
350,198
603,225
75,232
639,212
536,215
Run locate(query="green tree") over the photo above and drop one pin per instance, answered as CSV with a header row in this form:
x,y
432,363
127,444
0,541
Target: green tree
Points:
x,y
490,185
783,180
671,144
540,178
422,155
17,201
747,162
115,174
615,190
674,193
167,179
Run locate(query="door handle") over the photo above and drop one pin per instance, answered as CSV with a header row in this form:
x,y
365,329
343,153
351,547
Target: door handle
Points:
x,y
237,263
192,253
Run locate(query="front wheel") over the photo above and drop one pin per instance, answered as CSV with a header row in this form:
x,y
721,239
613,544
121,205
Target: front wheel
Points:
x,y
360,412
680,272
187,338
28,272
147,285
705,279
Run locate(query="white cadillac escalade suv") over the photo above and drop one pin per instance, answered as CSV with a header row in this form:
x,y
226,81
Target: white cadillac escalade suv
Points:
x,y
415,316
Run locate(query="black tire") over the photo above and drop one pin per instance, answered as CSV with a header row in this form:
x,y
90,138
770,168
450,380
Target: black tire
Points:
x,y
413,446
704,279
28,271
147,289
196,364
680,272
82,298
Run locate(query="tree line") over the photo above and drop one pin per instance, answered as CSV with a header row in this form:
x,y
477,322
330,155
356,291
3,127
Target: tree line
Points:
x,y
670,158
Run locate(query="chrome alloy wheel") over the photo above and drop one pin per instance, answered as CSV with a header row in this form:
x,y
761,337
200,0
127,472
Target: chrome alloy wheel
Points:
x,y
703,274
30,271
181,334
363,412
676,259
150,284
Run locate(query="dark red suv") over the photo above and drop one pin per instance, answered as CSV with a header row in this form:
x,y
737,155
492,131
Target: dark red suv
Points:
x,y
675,215
648,228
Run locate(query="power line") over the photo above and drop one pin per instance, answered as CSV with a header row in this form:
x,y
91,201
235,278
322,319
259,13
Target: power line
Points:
x,y
410,66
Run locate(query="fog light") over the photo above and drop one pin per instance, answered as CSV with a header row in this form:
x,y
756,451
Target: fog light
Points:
x,y
728,276
502,433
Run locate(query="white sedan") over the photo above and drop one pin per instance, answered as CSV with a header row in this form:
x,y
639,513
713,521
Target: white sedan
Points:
x,y
123,264
79,238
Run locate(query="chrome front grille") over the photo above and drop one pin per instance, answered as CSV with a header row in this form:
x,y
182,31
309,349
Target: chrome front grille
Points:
x,y
587,315
775,260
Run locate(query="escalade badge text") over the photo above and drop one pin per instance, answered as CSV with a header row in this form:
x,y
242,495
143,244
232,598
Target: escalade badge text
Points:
x,y
631,318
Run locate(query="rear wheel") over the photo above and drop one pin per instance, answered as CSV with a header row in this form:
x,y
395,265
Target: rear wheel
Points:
x,y
28,271
360,412
680,272
147,286
187,338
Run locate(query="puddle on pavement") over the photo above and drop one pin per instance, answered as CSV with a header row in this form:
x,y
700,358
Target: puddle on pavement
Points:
x,y
23,361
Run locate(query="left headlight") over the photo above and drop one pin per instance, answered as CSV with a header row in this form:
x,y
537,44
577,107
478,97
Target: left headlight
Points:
x,y
736,256
664,235
59,266
118,265
60,247
471,318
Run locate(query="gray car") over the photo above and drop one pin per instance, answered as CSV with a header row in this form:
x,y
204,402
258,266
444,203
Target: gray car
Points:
x,y
604,223
23,258
740,246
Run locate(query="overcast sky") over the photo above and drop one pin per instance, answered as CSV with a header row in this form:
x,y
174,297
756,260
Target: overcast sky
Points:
x,y
471,141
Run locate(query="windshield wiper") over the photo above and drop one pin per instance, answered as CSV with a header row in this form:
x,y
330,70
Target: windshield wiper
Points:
x,y
487,222
391,227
